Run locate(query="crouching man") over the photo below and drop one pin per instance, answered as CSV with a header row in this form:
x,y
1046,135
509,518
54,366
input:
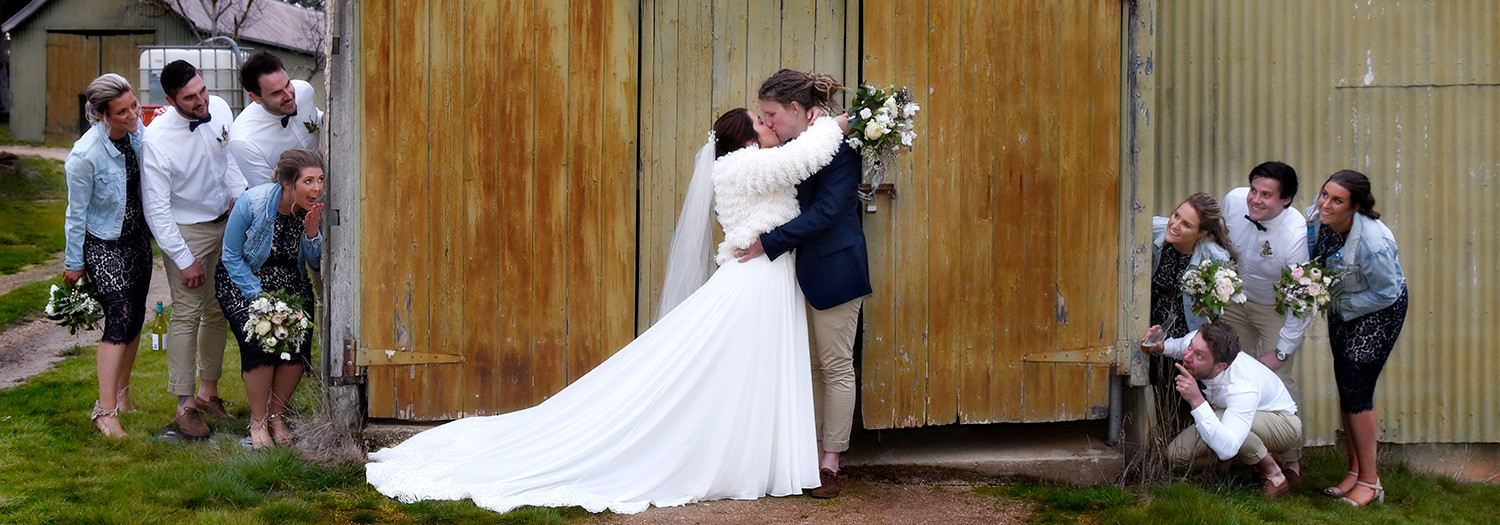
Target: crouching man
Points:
x,y
1244,413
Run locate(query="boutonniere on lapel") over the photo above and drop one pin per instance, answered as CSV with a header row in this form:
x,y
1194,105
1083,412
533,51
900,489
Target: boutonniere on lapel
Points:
x,y
223,136
1265,251
312,127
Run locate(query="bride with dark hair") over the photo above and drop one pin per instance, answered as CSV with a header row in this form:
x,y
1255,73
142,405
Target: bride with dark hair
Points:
x,y
714,401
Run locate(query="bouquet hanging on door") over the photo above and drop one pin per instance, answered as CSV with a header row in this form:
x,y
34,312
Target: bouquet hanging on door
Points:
x,y
882,123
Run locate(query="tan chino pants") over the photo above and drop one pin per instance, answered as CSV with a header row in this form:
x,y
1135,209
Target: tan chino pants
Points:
x,y
1270,432
833,372
196,332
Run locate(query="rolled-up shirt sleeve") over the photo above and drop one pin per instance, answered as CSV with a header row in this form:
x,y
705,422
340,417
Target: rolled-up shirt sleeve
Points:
x,y
1226,434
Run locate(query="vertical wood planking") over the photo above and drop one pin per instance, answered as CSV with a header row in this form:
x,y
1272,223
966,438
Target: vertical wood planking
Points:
x,y
731,56
584,216
973,335
1039,189
764,48
490,301
377,295
412,198
618,184
1073,282
828,49
445,259
72,62
880,386
1008,163
666,163
799,23
549,200
910,230
942,104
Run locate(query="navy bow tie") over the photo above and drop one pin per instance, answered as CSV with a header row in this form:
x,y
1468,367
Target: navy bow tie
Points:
x,y
1257,224
287,118
193,124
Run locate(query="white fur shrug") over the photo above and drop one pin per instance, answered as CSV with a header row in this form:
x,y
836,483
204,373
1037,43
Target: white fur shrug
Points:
x,y
754,188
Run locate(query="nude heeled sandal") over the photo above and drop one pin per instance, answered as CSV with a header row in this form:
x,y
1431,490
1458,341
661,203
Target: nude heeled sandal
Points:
x,y
258,424
1379,494
99,412
1334,492
122,400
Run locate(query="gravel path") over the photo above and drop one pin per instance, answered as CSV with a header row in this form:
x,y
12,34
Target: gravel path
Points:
x,y
32,348
39,151
863,502
30,274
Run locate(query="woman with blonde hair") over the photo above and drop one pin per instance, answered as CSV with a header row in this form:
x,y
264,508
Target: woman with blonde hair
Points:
x,y
107,237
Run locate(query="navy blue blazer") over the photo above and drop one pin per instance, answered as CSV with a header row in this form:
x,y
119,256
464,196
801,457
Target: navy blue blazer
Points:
x,y
833,264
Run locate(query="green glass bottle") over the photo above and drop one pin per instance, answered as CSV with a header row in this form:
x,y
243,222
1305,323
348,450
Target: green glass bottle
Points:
x,y
158,329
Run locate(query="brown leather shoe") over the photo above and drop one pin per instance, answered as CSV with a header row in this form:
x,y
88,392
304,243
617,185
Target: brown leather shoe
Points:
x,y
830,486
1277,491
189,422
213,406
1293,479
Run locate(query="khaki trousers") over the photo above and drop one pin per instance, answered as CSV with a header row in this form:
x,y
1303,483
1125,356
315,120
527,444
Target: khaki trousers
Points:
x,y
196,332
1259,328
1277,432
833,372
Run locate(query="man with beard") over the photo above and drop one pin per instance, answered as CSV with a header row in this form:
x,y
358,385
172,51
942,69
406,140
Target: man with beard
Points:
x,y
282,116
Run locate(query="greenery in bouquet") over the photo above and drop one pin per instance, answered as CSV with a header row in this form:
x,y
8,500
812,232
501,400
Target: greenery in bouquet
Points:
x,y
1305,289
278,323
882,122
74,307
1212,287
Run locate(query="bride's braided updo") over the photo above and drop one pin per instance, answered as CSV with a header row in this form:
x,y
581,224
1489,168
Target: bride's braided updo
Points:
x,y
811,90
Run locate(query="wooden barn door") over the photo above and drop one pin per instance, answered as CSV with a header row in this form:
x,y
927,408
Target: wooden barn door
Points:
x,y
995,267
702,58
498,224
74,60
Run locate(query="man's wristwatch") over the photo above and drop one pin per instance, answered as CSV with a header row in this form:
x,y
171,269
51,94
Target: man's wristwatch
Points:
x,y
1280,355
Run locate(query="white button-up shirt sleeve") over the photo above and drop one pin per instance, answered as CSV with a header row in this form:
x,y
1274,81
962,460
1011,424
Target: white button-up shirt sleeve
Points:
x,y
1226,434
248,158
156,199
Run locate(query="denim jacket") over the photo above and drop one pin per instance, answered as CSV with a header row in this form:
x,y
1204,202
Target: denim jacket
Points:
x,y
96,190
1368,262
248,236
1206,249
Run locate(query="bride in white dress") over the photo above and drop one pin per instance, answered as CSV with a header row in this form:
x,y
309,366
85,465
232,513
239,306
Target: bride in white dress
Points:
x,y
714,401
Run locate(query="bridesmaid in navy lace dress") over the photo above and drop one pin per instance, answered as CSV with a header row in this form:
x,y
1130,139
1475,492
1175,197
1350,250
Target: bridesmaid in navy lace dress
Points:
x,y
1346,235
107,238
271,237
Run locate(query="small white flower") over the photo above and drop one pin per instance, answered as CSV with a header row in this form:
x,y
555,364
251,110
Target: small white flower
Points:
x,y
49,309
54,289
874,131
281,333
854,142
286,356
263,327
910,110
269,342
864,114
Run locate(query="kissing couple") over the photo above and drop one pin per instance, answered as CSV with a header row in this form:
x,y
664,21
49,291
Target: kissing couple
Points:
x,y
716,400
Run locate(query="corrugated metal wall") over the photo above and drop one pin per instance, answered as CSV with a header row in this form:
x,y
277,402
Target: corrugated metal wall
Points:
x,y
1406,92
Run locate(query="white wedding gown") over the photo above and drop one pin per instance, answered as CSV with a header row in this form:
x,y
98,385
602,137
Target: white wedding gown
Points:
x,y
713,402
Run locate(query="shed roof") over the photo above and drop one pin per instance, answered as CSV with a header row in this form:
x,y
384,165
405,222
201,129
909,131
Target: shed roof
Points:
x,y
277,23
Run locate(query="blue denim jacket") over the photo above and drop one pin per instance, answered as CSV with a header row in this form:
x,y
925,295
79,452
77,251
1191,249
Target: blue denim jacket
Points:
x,y
1369,263
96,190
1206,249
248,235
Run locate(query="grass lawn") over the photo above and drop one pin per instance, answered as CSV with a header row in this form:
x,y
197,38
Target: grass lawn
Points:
x,y
55,468
1235,498
32,201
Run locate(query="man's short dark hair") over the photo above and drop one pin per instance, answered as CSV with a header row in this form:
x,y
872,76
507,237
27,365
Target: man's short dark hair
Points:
x,y
1281,173
258,65
176,75
1222,341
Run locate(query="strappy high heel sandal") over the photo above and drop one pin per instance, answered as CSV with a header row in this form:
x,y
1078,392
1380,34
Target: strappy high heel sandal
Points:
x,y
1335,492
258,424
122,400
1379,495
99,412
279,438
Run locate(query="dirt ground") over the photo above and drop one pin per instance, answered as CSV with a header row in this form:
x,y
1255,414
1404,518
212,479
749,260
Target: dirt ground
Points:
x,y
31,274
863,503
33,347
40,151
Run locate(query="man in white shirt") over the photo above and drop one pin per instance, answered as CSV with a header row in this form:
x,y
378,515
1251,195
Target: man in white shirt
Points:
x,y
188,185
282,116
1269,234
1245,412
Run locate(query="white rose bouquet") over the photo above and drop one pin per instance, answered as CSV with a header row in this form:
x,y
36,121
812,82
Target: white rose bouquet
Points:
x,y
1212,287
1305,289
882,122
278,323
74,307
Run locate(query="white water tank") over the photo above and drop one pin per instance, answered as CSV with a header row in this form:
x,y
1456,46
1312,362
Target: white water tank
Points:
x,y
219,67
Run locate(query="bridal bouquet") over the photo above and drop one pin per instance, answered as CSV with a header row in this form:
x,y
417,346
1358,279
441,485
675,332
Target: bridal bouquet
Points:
x,y
882,122
74,307
1305,289
1212,287
278,323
